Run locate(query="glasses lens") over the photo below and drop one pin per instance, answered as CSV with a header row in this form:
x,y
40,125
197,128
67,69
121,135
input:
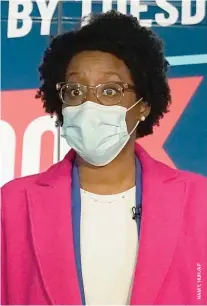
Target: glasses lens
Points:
x,y
109,94
73,94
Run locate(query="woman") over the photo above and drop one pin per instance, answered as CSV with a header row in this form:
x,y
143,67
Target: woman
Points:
x,y
108,224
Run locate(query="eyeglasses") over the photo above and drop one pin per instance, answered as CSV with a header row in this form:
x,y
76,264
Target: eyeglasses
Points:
x,y
108,94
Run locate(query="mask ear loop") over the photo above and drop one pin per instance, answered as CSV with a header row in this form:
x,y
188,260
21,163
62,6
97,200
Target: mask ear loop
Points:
x,y
138,120
134,128
128,109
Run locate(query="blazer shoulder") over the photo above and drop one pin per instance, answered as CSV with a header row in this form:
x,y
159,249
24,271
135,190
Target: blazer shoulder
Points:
x,y
192,178
13,193
19,184
195,195
13,196
196,184
169,173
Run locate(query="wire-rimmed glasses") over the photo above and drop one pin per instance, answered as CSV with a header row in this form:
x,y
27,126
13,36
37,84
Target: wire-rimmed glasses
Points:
x,y
108,94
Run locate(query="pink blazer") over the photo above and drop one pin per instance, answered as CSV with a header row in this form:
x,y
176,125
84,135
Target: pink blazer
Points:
x,y
38,263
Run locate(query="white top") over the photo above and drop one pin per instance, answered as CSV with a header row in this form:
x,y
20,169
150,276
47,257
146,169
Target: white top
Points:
x,y
109,244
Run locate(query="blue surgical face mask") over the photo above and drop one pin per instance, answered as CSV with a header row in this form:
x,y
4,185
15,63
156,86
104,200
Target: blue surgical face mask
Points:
x,y
96,132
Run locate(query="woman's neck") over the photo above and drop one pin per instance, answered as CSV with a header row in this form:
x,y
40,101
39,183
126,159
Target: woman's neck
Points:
x,y
118,176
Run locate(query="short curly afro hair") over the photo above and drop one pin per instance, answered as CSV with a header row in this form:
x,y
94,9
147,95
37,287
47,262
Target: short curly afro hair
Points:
x,y
121,35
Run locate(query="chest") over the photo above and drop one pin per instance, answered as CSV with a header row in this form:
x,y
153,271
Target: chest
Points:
x,y
109,242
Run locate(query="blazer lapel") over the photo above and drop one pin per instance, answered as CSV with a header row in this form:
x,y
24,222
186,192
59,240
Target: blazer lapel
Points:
x,y
49,204
160,224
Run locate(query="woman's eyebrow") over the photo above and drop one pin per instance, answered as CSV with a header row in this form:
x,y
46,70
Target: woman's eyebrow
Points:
x,y
69,74
112,73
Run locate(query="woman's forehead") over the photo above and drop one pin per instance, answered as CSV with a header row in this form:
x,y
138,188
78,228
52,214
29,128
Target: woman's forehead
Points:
x,y
97,63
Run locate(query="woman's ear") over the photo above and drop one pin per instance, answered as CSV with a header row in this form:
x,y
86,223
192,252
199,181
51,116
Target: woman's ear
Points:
x,y
144,111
